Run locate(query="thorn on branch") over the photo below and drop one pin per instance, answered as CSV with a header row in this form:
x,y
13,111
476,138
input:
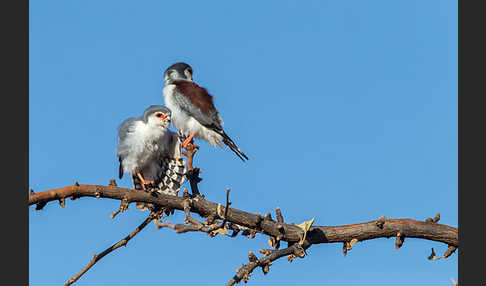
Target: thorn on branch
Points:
x,y
252,257
381,222
112,183
273,242
210,219
74,196
160,225
299,251
185,194
268,216
280,218
266,268
433,220
62,202
76,184
225,216
187,209
432,255
348,245
249,232
266,252
98,193
234,228
39,206
449,251
123,207
291,258
399,240
31,192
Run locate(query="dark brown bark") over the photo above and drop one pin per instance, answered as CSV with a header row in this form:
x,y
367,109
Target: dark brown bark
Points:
x,y
298,241
287,232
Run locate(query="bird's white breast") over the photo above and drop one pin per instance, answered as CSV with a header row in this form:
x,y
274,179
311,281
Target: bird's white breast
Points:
x,y
178,116
185,123
144,146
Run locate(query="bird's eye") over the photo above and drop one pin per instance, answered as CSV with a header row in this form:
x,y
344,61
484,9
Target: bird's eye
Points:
x,y
158,115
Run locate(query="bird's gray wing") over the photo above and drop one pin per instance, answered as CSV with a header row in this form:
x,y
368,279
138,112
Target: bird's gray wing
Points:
x,y
124,130
197,102
126,127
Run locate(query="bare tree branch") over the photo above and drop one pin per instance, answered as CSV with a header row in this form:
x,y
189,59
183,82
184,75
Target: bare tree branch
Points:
x,y
288,232
153,215
265,262
299,238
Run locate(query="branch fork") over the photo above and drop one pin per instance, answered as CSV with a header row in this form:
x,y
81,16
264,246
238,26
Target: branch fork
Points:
x,y
299,237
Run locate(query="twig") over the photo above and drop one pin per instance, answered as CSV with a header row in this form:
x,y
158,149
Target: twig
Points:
x,y
265,262
192,174
228,203
154,214
451,249
123,207
278,212
434,220
211,227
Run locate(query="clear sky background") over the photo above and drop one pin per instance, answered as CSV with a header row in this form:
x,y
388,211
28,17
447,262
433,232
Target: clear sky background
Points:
x,y
347,110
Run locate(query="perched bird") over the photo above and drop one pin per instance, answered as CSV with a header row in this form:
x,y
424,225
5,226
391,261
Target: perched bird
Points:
x,y
150,153
193,111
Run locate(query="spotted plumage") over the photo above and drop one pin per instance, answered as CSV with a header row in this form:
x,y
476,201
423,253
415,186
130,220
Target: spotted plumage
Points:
x,y
149,152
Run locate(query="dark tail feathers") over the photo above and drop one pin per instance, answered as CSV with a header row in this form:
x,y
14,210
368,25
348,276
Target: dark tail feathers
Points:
x,y
227,140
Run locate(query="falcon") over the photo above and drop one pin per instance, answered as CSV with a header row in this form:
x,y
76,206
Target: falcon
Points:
x,y
150,153
193,111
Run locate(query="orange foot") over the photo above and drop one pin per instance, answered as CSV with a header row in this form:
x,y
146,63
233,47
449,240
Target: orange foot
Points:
x,y
144,182
187,141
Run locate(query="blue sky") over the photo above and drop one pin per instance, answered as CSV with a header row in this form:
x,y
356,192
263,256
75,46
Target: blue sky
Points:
x,y
347,110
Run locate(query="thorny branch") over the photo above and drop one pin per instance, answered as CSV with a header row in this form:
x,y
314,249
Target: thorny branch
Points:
x,y
251,224
153,215
265,262
192,174
210,227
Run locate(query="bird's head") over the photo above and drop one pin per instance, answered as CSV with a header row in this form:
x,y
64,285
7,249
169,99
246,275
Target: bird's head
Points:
x,y
157,116
178,71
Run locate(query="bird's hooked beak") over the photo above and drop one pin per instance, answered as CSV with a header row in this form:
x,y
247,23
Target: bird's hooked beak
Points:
x,y
165,118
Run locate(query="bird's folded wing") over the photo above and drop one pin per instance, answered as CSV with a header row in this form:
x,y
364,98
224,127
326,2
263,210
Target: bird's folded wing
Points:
x,y
198,103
